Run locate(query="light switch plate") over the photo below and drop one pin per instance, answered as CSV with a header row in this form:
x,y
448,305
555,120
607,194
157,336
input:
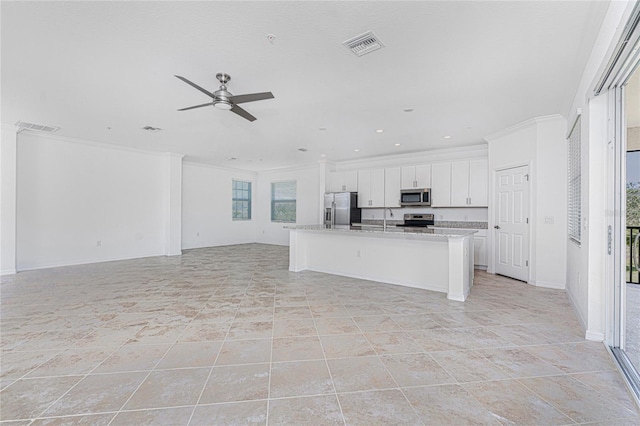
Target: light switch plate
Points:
x,y
549,220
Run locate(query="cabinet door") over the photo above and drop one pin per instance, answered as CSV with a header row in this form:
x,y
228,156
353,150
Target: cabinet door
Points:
x,y
364,188
441,185
478,182
408,177
479,251
351,181
460,183
423,176
335,181
377,188
392,187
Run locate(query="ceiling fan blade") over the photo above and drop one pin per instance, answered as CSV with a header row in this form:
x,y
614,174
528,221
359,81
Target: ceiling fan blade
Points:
x,y
192,84
240,99
196,106
242,113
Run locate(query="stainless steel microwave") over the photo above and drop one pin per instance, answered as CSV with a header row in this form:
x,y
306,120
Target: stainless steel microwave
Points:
x,y
415,197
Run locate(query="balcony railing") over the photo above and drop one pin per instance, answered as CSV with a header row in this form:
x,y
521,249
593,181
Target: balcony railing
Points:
x,y
633,252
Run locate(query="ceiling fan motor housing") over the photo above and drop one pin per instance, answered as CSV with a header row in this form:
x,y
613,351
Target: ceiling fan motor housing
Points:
x,y
222,99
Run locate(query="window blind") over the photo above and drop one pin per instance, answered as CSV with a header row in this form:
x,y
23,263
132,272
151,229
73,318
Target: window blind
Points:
x,y
574,184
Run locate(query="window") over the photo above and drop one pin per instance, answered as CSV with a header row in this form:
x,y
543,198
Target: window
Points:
x,y
283,201
241,200
574,186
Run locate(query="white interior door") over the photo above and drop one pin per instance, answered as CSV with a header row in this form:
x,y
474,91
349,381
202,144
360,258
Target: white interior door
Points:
x,y
512,223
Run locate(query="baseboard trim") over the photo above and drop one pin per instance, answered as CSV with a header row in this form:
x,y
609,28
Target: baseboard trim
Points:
x,y
581,320
88,261
8,272
548,284
594,336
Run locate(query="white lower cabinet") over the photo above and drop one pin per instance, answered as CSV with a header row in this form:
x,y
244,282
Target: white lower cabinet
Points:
x,y
480,257
480,250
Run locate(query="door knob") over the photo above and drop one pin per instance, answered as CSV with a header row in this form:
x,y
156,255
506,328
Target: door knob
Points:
x,y
497,227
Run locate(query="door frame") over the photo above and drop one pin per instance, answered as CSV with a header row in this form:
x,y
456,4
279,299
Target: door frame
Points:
x,y
493,211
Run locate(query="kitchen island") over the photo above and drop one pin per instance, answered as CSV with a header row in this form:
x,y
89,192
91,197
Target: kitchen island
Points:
x,y
431,259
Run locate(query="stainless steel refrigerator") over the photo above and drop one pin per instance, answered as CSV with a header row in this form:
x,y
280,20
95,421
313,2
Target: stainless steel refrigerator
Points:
x,y
341,208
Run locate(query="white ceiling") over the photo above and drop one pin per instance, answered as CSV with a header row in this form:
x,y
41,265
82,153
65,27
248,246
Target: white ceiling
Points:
x,y
103,70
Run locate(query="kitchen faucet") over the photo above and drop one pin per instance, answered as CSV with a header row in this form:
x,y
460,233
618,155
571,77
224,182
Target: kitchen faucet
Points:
x,y
384,217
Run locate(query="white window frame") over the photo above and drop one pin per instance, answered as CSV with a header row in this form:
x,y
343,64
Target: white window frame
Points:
x,y
235,199
275,201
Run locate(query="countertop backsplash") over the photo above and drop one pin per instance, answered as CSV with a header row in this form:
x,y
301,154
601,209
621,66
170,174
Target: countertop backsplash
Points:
x,y
438,223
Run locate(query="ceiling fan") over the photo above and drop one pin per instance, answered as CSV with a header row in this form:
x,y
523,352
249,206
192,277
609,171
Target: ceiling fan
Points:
x,y
222,99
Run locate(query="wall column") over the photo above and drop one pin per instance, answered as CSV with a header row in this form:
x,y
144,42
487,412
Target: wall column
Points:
x,y
173,204
8,190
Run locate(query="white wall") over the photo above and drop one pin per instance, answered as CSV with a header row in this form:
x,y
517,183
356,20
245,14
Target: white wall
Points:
x,y
539,143
8,200
551,203
308,208
80,202
206,207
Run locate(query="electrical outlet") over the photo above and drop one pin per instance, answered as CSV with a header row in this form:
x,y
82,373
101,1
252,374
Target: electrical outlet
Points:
x,y
358,253
197,234
98,243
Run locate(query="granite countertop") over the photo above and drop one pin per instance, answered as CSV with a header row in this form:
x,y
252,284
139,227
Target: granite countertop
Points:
x,y
389,231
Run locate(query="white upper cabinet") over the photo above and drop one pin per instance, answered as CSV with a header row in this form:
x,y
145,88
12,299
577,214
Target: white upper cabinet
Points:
x,y
371,188
466,182
459,183
416,177
441,185
479,182
343,181
392,187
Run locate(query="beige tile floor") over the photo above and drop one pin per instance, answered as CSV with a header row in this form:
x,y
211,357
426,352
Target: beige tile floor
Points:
x,y
229,336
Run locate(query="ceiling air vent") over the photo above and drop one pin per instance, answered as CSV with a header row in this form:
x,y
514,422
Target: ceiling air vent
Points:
x,y
364,43
151,129
23,125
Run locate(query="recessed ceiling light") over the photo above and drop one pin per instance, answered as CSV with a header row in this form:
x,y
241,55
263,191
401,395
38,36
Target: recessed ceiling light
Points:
x,y
323,155
407,109
380,131
271,38
396,144
356,150
322,128
447,137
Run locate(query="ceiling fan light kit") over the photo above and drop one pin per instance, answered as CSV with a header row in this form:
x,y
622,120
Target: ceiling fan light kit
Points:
x,y
223,99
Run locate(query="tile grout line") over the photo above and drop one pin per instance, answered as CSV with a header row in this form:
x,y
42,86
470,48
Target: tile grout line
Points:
x,y
326,363
213,365
273,326
378,357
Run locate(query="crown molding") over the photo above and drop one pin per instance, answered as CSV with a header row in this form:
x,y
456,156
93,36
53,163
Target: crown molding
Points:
x,y
522,126
95,144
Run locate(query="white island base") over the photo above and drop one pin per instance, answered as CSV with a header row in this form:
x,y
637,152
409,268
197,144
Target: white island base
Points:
x,y
438,261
